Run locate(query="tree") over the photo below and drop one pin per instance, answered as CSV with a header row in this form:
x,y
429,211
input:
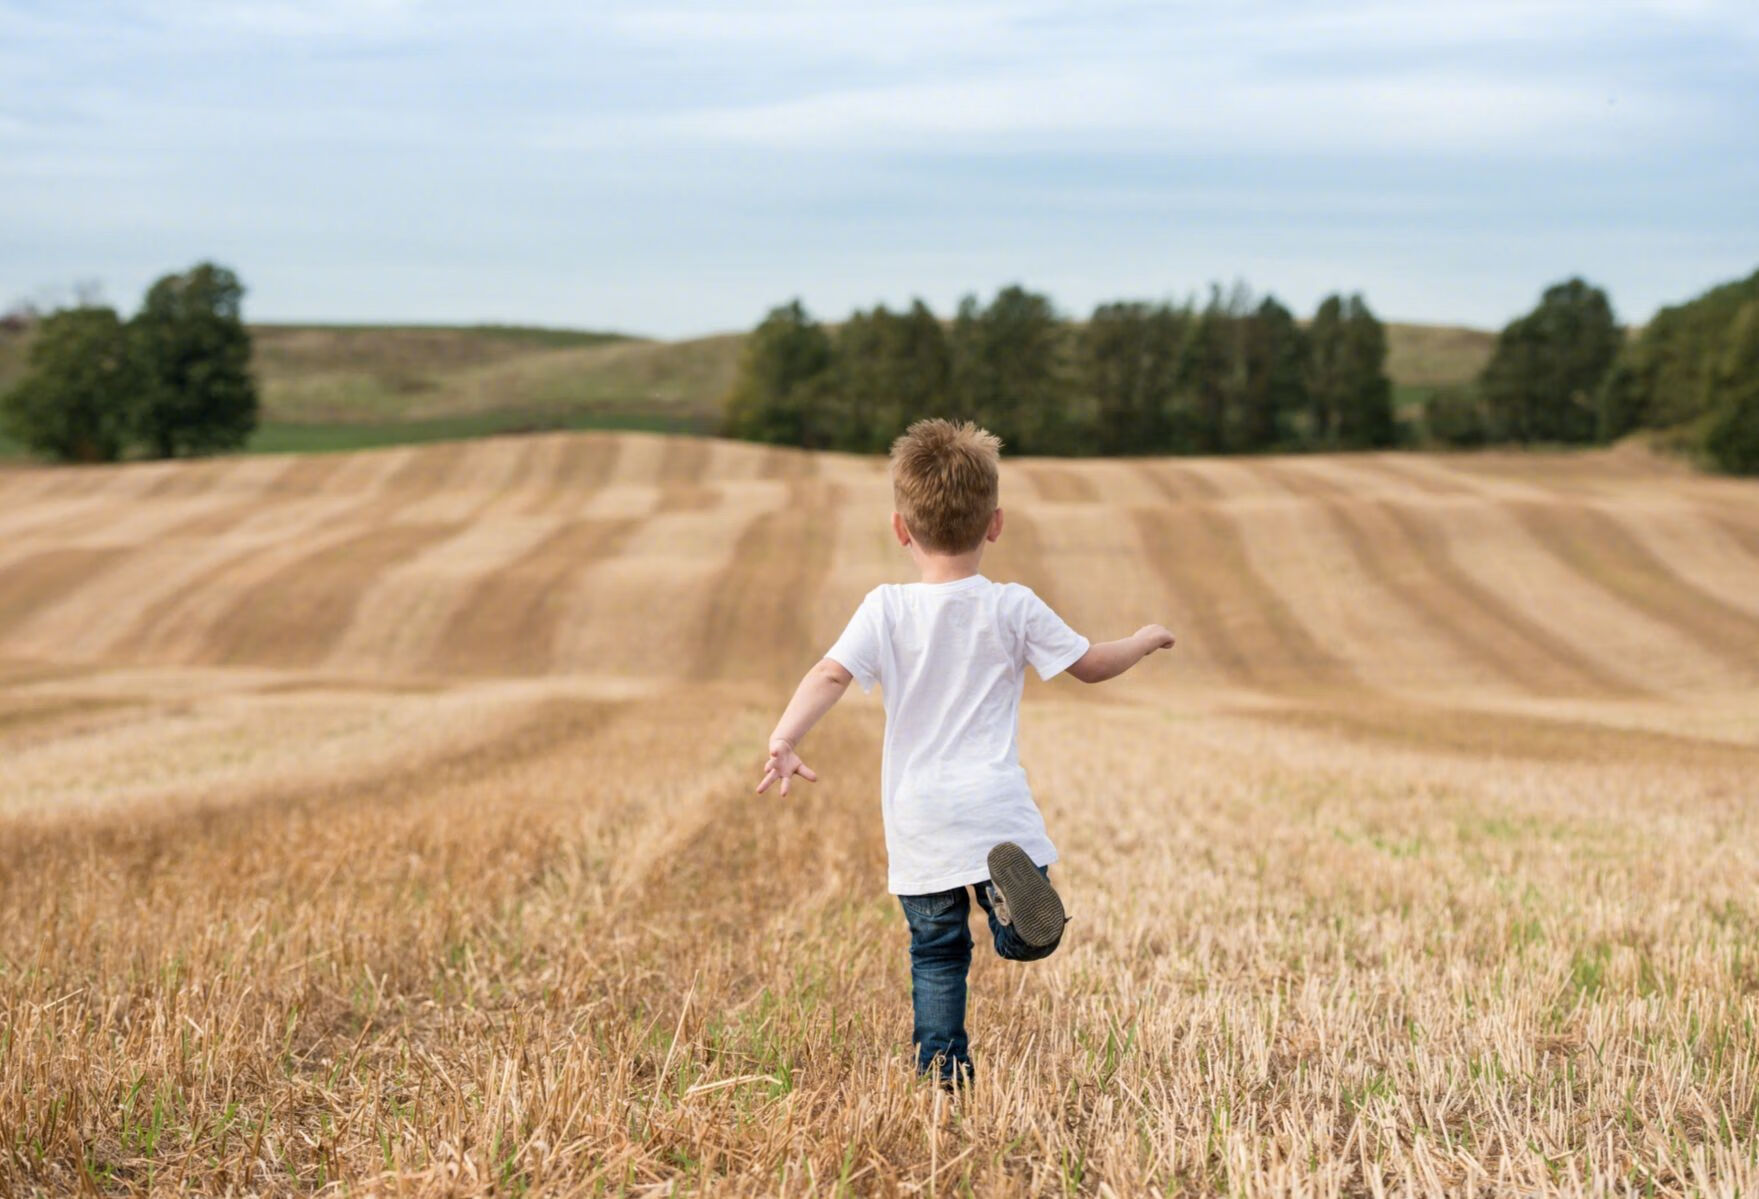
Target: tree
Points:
x,y
1622,403
1328,381
1662,377
859,361
1544,380
1007,370
74,403
1452,416
891,369
1206,362
1365,421
193,351
1128,359
921,370
1732,438
970,373
1273,386
1349,395
783,386
1233,376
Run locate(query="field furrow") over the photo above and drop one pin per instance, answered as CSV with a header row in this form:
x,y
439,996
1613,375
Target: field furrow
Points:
x,y
384,823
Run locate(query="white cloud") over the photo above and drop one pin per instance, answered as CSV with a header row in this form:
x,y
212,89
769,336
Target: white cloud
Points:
x,y
1517,77
738,153
903,33
1122,106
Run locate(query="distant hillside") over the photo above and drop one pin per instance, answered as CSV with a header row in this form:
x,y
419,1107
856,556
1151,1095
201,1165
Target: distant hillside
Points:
x,y
339,386
368,374
1436,355
452,382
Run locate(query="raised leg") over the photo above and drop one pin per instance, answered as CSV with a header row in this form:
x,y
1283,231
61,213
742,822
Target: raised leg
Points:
x,y
1008,942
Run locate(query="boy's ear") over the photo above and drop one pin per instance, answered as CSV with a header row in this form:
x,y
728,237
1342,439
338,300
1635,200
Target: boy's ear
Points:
x,y
995,526
900,530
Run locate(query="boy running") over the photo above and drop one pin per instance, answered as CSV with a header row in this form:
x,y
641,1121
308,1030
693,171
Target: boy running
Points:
x,y
950,655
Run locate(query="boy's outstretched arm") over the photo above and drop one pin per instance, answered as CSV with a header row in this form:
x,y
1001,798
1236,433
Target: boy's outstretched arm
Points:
x,y
1109,659
818,692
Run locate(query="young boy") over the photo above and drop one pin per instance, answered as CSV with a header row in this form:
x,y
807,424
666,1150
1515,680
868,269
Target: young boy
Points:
x,y
950,654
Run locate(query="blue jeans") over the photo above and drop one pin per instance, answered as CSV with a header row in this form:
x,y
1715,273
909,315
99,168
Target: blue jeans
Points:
x,y
940,956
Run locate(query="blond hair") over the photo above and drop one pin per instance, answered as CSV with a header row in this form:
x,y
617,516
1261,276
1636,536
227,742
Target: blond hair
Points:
x,y
944,483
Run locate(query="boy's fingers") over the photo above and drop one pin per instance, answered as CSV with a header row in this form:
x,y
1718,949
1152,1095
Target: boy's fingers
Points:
x,y
808,773
769,776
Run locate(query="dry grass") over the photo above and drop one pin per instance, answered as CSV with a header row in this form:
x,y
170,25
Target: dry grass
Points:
x,y
1436,355
381,823
370,374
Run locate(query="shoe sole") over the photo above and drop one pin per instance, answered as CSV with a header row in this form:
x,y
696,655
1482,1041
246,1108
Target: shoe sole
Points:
x,y
1034,906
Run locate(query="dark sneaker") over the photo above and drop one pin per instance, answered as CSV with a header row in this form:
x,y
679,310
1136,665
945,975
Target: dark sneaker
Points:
x,y
1024,898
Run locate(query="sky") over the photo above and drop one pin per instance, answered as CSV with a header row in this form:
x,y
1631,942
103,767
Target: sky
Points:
x,y
675,169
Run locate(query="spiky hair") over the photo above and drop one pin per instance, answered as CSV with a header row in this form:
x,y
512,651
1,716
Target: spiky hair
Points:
x,y
944,483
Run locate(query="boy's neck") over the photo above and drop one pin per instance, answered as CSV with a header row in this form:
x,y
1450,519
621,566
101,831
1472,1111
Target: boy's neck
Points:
x,y
947,568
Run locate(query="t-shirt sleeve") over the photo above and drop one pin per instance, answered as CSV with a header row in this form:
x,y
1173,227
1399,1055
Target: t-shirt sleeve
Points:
x,y
1051,645
858,649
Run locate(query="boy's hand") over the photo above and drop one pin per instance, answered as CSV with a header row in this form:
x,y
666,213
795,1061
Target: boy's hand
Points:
x,y
783,764
1155,637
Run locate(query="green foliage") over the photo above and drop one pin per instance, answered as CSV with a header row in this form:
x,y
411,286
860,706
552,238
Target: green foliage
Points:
x,y
1273,387
1453,416
1619,406
1326,370
1008,371
784,382
1350,399
1542,382
1366,420
72,403
1165,379
1135,378
174,380
1732,439
1662,379
891,369
1205,368
1129,359
193,352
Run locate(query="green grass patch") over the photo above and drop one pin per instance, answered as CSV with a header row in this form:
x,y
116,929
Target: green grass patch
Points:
x,y
287,438
1410,397
280,438
532,335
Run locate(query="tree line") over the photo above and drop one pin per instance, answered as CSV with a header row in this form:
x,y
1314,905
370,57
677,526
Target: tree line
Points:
x,y
1235,374
172,380
1566,373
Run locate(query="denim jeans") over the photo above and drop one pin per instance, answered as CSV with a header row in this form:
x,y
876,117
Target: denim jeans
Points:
x,y
940,955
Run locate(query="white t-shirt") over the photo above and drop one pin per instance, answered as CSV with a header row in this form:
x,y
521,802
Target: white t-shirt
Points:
x,y
951,660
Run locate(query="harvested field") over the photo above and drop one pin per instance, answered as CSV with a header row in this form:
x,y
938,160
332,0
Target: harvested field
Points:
x,y
382,823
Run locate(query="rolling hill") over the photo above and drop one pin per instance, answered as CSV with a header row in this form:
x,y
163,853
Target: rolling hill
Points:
x,y
1497,576
347,387
371,375
386,818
